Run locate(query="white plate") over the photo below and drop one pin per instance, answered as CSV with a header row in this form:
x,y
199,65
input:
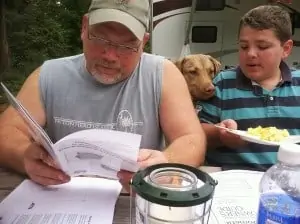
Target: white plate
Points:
x,y
250,138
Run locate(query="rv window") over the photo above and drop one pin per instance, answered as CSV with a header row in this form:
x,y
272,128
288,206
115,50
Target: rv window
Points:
x,y
210,5
204,34
295,18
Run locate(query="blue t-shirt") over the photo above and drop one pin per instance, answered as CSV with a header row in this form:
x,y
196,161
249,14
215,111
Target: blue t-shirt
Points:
x,y
238,98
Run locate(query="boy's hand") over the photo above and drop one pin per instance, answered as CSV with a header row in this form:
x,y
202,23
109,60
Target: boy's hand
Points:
x,y
228,139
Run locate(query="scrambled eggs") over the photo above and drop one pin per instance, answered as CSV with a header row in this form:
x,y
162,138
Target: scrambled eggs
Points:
x,y
269,133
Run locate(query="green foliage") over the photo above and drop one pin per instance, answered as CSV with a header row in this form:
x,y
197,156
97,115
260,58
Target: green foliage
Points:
x,y
42,29
38,30
147,48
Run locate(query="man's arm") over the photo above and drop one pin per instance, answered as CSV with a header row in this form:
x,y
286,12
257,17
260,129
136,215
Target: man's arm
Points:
x,y
213,136
14,135
210,114
179,120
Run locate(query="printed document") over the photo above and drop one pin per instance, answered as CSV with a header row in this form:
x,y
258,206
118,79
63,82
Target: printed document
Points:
x,y
84,200
236,197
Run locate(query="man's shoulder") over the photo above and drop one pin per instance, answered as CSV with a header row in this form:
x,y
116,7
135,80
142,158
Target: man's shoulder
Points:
x,y
152,63
63,60
152,57
54,68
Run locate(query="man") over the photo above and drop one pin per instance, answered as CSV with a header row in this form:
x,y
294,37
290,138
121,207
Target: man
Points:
x,y
262,90
113,85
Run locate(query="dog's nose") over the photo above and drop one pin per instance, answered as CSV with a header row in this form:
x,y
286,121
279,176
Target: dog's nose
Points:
x,y
210,89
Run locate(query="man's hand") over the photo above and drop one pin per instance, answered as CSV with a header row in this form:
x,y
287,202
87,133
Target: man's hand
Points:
x,y
147,157
228,139
41,168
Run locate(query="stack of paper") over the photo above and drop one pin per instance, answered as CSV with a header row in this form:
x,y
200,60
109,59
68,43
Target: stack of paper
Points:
x,y
83,200
236,197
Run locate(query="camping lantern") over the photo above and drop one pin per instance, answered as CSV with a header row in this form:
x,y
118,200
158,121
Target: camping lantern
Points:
x,y
172,193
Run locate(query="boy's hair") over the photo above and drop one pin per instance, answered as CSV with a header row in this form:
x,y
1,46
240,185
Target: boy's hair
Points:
x,y
269,17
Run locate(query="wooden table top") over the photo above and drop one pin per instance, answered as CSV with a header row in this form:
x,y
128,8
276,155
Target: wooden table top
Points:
x,y
10,180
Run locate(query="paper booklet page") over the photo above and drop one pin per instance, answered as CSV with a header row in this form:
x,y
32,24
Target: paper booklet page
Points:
x,y
82,153
83,200
88,152
236,197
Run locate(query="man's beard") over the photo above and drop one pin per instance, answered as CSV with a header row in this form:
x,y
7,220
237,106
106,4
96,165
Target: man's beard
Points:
x,y
106,79
103,78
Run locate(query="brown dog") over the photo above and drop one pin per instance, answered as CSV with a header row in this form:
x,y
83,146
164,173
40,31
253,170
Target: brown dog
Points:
x,y
198,71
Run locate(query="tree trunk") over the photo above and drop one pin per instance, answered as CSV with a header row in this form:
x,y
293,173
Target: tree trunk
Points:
x,y
3,40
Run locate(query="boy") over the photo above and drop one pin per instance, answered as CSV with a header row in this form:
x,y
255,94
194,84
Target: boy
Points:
x,y
262,90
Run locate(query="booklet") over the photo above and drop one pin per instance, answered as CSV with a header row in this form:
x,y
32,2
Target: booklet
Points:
x,y
236,197
99,152
83,200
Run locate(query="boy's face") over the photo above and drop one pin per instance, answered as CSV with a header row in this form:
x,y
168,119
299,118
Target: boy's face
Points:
x,y
260,53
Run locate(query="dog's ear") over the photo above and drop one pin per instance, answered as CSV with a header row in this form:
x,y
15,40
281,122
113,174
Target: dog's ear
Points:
x,y
216,63
179,64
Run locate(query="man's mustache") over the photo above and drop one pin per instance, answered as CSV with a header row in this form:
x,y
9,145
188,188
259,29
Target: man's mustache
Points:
x,y
107,64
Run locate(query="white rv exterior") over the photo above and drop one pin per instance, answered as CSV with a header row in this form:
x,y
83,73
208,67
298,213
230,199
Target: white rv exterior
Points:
x,y
170,21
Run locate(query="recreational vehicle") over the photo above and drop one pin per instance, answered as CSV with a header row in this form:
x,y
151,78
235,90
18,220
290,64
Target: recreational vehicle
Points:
x,y
209,27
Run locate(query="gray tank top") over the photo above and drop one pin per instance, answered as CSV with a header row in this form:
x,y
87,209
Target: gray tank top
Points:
x,y
73,100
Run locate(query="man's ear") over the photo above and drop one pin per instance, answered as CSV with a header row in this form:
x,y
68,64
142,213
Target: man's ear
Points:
x,y
146,39
84,26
